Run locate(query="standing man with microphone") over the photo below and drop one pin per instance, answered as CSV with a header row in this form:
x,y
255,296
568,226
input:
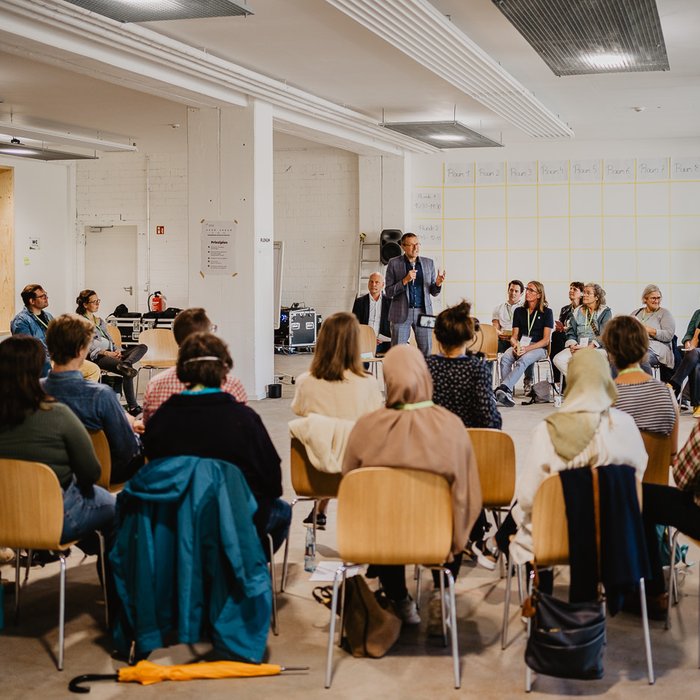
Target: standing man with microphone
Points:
x,y
410,282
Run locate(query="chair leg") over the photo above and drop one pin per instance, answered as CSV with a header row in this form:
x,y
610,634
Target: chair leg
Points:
x,y
645,627
453,626
673,574
271,552
528,670
17,587
340,572
417,576
443,616
506,606
283,584
28,565
103,569
61,611
285,564
342,605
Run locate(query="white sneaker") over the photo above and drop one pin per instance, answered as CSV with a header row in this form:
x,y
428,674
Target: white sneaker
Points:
x,y
407,611
483,556
435,614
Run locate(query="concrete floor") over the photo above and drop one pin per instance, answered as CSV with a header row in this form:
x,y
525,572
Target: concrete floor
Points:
x,y
416,668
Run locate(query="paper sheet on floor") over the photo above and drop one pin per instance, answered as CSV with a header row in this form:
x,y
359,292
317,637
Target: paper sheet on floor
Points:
x,y
325,570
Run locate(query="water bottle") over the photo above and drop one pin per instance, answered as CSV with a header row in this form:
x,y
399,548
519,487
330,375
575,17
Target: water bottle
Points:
x,y
310,550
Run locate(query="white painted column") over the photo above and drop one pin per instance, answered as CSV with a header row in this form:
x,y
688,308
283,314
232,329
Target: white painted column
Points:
x,y
230,178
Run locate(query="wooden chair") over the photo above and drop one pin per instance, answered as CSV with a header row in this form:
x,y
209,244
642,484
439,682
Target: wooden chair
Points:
x,y
31,517
162,351
104,457
660,449
395,516
550,536
368,348
116,335
309,484
485,340
495,459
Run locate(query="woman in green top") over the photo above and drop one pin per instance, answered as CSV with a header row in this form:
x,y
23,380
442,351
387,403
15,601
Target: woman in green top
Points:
x,y
36,428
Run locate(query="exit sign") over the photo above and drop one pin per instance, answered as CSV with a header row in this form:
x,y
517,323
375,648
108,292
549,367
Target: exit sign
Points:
x,y
160,230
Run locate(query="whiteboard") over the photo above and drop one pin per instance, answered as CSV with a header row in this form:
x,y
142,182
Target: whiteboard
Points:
x,y
278,252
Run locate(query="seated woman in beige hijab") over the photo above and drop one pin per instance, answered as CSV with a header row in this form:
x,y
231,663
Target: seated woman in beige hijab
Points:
x,y
585,431
413,433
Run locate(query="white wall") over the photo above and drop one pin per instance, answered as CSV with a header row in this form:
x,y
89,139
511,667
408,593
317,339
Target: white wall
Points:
x,y
529,213
316,215
145,191
44,204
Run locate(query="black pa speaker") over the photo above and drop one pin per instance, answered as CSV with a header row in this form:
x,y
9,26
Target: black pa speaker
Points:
x,y
389,244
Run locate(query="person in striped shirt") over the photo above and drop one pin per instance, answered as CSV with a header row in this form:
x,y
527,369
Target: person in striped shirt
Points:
x,y
166,383
653,408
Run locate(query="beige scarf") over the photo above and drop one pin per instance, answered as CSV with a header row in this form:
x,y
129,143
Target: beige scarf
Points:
x,y
590,391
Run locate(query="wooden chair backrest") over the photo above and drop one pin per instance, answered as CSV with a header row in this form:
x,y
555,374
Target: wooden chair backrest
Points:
x,y
495,459
308,481
436,348
394,516
659,448
162,348
476,344
550,530
115,334
31,505
490,341
368,340
104,456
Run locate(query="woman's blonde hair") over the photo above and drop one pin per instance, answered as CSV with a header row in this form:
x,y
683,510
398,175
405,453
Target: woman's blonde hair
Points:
x,y
337,348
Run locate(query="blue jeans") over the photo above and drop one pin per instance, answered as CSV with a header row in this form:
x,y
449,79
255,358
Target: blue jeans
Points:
x,y
83,513
512,368
401,332
278,523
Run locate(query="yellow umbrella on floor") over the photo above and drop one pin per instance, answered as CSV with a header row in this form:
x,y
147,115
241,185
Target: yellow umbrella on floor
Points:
x,y
147,673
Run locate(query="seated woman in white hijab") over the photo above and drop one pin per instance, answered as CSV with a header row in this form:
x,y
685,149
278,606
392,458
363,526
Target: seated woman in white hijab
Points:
x,y
413,433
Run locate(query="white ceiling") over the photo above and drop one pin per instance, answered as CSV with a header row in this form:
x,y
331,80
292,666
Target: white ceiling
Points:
x,y
312,46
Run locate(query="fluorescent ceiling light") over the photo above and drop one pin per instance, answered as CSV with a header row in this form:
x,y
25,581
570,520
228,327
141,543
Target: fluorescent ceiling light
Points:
x,y
62,137
447,137
606,61
443,134
159,10
19,150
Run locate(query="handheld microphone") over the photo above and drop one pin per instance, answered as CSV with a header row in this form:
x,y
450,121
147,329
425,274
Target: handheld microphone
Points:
x,y
413,267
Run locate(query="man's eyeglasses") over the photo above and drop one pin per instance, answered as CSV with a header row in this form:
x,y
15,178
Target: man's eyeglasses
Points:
x,y
41,296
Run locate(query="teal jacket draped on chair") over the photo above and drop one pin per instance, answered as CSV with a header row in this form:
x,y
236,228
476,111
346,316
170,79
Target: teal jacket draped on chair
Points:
x,y
187,558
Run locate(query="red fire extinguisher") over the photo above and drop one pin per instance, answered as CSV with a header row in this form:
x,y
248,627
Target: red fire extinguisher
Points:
x,y
157,302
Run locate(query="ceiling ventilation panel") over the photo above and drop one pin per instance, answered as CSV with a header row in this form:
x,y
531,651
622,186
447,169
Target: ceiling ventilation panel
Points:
x,y
591,36
157,10
442,134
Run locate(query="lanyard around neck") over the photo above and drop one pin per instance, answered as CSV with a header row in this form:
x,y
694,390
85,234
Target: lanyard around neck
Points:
x,y
530,324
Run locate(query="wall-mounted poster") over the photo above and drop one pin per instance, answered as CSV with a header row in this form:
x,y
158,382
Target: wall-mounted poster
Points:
x,y
218,247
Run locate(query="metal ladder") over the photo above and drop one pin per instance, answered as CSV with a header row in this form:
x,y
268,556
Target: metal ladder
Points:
x,y
367,263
